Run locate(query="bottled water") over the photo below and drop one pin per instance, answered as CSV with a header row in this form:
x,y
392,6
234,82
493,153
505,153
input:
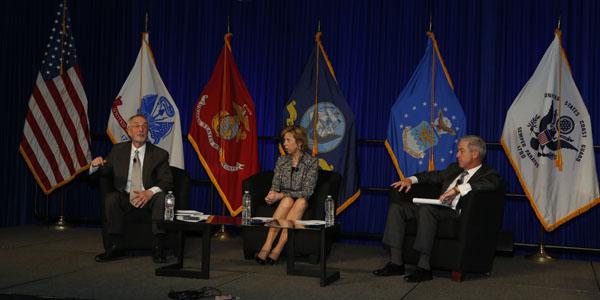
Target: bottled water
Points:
x,y
329,211
246,207
169,206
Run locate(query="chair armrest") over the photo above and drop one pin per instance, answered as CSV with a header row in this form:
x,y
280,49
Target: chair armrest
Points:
x,y
328,183
258,185
181,188
419,190
481,216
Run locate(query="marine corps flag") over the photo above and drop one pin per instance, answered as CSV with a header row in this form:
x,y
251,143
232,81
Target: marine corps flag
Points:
x,y
317,104
223,130
427,120
145,93
547,137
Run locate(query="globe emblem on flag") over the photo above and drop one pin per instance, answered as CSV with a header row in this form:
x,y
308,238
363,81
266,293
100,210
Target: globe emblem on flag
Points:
x,y
225,125
228,126
331,126
159,112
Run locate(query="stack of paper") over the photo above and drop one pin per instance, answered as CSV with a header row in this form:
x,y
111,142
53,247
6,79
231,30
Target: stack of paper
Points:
x,y
431,201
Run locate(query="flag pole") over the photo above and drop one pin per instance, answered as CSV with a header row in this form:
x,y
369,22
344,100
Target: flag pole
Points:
x,y
431,165
558,160
315,148
222,234
541,256
61,224
430,22
142,61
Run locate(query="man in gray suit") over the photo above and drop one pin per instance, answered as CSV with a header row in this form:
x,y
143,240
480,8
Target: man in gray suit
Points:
x,y
457,180
141,175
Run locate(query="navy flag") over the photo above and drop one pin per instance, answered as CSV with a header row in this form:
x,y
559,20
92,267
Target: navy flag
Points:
x,y
427,120
317,104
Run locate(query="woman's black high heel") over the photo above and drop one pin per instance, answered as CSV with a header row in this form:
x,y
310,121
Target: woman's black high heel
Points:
x,y
272,261
259,260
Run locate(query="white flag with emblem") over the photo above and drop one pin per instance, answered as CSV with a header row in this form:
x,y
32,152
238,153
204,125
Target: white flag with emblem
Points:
x,y
145,93
547,137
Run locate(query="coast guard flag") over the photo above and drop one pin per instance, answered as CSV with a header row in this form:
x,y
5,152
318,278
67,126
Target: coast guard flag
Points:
x,y
427,120
547,137
223,130
145,93
56,136
317,104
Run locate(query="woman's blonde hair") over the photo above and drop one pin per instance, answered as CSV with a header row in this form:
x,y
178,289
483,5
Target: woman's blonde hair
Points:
x,y
299,134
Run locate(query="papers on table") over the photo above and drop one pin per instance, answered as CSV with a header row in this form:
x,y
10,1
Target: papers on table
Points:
x,y
192,218
431,201
190,215
310,222
262,219
181,212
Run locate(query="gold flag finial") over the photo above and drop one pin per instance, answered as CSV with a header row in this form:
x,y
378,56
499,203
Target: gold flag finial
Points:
x,y
430,22
146,23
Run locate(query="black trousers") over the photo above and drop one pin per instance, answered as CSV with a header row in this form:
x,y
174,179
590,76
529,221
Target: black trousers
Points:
x,y
402,210
116,206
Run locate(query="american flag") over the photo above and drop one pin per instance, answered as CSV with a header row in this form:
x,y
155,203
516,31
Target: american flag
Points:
x,y
56,136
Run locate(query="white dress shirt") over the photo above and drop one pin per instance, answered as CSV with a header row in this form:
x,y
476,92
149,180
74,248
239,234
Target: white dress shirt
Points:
x,y
464,188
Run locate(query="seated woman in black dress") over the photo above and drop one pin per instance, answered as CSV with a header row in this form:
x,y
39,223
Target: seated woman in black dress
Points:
x,y
293,183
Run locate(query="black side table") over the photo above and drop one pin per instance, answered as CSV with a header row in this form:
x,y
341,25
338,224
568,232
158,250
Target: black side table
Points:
x,y
177,269
325,277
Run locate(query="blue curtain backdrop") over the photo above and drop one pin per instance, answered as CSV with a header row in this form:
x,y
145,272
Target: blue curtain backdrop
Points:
x,y
491,48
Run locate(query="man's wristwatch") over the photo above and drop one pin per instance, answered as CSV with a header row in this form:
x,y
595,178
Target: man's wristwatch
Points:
x,y
456,189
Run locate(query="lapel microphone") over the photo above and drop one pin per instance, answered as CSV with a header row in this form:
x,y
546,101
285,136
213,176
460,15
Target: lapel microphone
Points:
x,y
134,160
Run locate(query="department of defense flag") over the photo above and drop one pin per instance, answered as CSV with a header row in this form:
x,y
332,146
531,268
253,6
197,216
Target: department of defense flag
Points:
x,y
547,137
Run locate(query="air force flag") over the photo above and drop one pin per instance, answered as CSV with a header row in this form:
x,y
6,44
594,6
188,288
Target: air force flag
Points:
x,y
145,93
427,120
547,137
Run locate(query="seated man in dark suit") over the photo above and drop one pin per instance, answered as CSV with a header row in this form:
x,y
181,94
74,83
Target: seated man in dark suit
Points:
x,y
141,176
457,180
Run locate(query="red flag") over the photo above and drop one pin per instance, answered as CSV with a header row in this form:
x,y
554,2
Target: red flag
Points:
x,y
56,136
223,130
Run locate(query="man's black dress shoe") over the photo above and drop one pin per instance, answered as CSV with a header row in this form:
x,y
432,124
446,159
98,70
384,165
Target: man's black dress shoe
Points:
x,y
158,255
111,253
390,269
419,275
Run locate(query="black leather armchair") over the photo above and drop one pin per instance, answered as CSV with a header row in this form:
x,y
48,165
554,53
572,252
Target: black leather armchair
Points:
x,y
307,242
466,244
138,223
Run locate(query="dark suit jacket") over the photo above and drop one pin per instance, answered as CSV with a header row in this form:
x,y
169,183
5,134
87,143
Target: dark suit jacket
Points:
x,y
155,172
485,179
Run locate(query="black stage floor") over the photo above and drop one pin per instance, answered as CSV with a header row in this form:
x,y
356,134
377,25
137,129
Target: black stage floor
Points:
x,y
39,262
